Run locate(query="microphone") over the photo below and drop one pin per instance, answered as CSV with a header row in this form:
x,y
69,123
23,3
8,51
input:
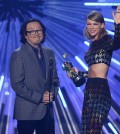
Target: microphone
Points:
x,y
50,62
56,83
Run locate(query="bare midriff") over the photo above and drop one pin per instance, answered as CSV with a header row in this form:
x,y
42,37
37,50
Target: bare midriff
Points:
x,y
98,70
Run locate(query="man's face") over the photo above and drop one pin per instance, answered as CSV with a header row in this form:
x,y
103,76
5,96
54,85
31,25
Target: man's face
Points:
x,y
34,34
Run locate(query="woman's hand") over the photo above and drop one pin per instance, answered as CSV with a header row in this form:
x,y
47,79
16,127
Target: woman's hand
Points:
x,y
116,16
73,71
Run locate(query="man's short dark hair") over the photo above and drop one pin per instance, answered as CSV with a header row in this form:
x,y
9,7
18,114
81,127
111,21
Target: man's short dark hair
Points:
x,y
23,29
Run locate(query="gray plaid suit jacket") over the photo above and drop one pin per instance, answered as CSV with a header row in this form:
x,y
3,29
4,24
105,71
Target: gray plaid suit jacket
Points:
x,y
28,83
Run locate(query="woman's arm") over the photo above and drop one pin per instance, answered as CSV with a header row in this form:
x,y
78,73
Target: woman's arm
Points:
x,y
82,74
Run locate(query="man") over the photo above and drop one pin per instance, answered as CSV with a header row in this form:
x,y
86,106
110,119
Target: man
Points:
x,y
33,77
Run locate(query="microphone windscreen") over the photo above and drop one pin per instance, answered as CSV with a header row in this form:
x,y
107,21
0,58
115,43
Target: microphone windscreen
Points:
x,y
56,83
50,61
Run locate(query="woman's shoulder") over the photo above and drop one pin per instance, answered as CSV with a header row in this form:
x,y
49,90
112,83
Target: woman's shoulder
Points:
x,y
104,42
107,37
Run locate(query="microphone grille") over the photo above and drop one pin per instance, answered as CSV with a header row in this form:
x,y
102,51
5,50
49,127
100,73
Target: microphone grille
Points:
x,y
50,61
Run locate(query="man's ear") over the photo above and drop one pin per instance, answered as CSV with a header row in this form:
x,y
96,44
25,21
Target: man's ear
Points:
x,y
25,36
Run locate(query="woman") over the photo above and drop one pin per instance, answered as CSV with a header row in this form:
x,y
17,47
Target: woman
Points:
x,y
97,98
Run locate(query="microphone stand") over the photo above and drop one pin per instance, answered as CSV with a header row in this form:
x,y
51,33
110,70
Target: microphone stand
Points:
x,y
55,84
50,84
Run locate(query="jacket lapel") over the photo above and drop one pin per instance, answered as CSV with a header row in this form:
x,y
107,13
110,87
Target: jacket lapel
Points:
x,y
34,59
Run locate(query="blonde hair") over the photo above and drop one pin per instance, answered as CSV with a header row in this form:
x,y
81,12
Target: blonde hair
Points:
x,y
98,17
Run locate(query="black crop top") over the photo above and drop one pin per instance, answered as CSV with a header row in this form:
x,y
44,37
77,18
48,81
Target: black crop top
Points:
x,y
100,51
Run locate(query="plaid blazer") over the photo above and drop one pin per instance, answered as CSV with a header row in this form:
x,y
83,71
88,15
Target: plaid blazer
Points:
x,y
28,83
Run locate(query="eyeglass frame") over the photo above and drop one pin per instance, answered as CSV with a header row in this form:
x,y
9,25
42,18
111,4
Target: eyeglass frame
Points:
x,y
39,31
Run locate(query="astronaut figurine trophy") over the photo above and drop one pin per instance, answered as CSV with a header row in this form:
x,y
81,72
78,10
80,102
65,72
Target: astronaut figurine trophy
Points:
x,y
67,66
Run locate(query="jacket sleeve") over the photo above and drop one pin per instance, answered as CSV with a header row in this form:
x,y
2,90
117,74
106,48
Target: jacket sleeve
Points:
x,y
110,43
17,78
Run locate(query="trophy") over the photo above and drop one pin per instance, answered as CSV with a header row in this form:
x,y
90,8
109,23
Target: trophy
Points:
x,y
68,67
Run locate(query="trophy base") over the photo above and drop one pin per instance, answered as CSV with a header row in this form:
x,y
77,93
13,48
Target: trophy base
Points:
x,y
79,81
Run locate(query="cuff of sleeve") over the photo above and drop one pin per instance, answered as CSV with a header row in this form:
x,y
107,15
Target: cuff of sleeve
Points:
x,y
37,97
83,74
117,30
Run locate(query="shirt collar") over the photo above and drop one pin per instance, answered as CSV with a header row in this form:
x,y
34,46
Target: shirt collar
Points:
x,y
35,48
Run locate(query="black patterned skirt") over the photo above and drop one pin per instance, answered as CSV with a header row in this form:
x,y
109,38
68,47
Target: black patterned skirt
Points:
x,y
96,106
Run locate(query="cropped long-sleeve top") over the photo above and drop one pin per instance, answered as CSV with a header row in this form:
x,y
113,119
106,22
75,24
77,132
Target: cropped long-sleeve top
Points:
x,y
100,51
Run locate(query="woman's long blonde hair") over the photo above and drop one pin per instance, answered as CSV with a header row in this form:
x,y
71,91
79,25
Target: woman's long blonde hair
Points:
x,y
98,17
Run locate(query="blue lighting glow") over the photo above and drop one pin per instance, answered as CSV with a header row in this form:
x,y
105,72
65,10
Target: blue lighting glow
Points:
x,y
100,4
62,98
112,128
79,89
1,81
115,61
112,33
7,93
109,20
86,43
81,62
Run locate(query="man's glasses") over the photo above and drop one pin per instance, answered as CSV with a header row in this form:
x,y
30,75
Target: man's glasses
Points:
x,y
33,32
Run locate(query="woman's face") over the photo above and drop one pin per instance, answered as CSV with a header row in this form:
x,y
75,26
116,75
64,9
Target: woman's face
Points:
x,y
94,28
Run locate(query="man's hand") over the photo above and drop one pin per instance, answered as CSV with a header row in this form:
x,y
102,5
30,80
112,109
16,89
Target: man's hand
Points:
x,y
47,97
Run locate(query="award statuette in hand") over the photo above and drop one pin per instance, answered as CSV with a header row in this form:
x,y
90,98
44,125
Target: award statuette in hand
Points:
x,y
78,80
